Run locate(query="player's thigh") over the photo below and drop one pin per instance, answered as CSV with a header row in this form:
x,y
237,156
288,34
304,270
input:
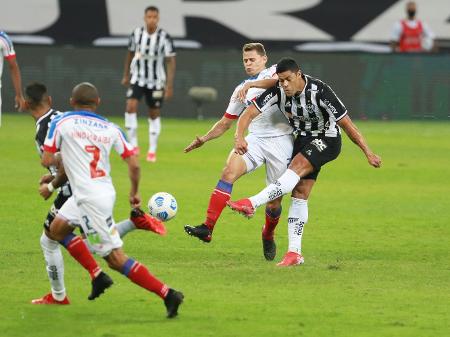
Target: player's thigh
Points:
x,y
254,157
154,100
96,219
65,220
235,167
277,152
133,95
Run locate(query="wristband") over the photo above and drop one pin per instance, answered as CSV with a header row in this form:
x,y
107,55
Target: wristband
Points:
x,y
50,187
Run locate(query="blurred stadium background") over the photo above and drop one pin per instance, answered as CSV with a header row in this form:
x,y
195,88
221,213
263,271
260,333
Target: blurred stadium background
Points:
x,y
344,43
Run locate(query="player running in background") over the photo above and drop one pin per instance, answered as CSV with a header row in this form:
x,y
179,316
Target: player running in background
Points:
x,y
38,103
150,52
7,52
85,140
270,143
317,115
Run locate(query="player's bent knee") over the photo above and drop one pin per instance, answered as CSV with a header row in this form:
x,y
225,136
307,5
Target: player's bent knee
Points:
x,y
274,205
116,259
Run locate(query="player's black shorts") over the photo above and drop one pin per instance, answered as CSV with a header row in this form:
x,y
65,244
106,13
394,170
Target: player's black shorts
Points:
x,y
61,198
153,97
318,150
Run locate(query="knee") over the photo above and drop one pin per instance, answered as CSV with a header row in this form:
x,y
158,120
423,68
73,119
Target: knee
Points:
x,y
229,174
116,260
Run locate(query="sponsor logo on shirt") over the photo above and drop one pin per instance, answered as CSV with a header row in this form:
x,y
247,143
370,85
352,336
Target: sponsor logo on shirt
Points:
x,y
267,98
330,106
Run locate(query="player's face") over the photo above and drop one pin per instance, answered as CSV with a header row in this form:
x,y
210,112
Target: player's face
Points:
x,y
290,82
253,62
151,19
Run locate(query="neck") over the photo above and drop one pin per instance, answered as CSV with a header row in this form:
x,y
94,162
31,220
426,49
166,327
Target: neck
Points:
x,y
84,108
39,112
152,29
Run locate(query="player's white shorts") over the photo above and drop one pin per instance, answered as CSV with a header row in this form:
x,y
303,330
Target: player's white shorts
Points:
x,y
275,152
94,216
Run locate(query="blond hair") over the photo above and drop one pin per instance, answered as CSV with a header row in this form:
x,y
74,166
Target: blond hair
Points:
x,y
256,46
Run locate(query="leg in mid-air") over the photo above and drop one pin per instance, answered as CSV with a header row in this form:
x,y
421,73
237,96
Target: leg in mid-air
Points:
x,y
297,219
233,170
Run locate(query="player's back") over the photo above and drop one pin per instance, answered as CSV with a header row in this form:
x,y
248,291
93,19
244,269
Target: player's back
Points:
x,y
85,140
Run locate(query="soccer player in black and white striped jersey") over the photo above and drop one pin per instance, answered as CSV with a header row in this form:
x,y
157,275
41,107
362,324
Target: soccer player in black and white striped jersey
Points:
x,y
317,115
150,52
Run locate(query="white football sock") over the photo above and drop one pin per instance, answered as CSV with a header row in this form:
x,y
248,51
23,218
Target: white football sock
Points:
x,y
55,266
154,129
297,218
283,185
124,227
131,124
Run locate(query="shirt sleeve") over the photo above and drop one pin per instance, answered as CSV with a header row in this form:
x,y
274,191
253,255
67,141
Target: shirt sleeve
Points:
x,y
6,46
132,42
331,103
267,99
52,141
235,107
121,144
427,32
169,49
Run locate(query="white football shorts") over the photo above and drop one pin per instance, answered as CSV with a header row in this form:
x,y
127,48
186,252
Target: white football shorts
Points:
x,y
275,152
95,217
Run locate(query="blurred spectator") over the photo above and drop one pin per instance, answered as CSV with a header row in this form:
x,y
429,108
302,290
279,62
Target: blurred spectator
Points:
x,y
7,52
411,34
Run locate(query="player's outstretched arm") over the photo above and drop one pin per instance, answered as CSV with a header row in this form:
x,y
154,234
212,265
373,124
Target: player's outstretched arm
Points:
x,y
356,137
134,173
240,144
217,130
262,84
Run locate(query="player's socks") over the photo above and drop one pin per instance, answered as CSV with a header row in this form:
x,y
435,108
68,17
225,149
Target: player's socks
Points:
x,y
55,266
154,129
272,218
80,252
297,218
131,124
140,275
217,202
283,185
124,227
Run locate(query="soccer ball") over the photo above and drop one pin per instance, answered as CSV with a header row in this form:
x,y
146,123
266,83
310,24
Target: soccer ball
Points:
x,y
163,206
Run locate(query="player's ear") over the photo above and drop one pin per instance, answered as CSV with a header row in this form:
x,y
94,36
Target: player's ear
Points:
x,y
98,101
50,100
72,103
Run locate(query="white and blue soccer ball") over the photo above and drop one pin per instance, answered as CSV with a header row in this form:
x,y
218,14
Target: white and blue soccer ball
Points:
x,y
163,205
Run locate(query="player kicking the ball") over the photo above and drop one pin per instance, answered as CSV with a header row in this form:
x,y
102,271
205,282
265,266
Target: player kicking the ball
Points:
x,y
317,115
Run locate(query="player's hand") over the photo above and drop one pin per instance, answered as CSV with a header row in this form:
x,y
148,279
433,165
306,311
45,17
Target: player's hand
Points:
x,y
168,92
240,145
135,201
19,103
125,81
45,179
44,192
197,142
374,160
242,93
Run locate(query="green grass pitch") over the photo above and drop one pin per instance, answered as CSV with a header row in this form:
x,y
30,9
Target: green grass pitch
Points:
x,y
376,245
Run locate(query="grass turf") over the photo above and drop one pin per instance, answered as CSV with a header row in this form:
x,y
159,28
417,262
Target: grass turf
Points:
x,y
376,245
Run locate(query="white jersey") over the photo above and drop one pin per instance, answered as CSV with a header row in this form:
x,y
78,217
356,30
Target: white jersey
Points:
x,y
264,125
6,51
84,140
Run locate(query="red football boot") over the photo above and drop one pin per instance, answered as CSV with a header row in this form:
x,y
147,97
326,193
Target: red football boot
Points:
x,y
291,259
146,222
151,157
243,206
48,299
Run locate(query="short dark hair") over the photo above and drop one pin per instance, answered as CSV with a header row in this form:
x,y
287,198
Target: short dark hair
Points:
x,y
287,63
151,8
85,94
256,46
35,93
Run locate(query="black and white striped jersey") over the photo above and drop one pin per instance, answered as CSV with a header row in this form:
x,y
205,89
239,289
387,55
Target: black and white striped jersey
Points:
x,y
150,50
42,125
316,110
